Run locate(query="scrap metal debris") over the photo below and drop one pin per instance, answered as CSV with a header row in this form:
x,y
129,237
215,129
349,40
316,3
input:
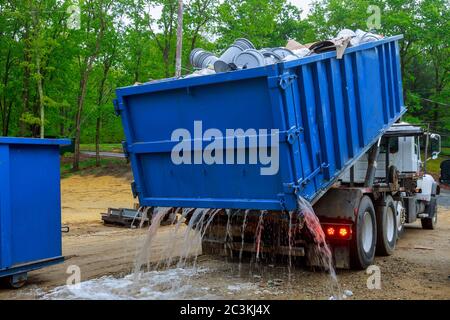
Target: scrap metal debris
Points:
x,y
242,54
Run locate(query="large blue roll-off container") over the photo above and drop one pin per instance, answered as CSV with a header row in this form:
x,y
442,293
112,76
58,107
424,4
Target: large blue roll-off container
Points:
x,y
30,206
329,112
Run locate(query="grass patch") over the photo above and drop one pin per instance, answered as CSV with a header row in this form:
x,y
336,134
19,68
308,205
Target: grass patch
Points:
x,y
445,151
104,147
434,166
108,166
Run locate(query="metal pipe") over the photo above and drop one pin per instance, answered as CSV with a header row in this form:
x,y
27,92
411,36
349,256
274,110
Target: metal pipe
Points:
x,y
352,176
388,149
372,164
201,59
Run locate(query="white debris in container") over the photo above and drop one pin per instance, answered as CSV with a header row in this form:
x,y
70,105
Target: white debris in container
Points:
x,y
202,72
365,37
290,58
303,52
357,37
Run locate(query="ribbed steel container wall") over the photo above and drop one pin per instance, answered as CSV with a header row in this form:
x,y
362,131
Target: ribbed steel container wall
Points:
x,y
30,204
329,113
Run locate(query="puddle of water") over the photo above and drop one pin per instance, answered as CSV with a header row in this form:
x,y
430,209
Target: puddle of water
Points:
x,y
168,284
154,285
182,279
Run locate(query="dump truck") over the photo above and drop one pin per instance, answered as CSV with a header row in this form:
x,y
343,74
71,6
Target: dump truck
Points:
x,y
260,141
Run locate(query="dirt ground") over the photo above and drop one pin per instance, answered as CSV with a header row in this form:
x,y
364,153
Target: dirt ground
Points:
x,y
419,268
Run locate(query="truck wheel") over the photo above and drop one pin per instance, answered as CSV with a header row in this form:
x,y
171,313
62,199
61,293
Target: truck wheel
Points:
x,y
401,218
362,245
386,228
429,223
431,209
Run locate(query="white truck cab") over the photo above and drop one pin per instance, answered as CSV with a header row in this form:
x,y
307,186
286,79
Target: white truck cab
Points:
x,y
418,189
404,154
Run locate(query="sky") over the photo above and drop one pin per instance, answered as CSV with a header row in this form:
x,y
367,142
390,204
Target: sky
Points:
x,y
302,4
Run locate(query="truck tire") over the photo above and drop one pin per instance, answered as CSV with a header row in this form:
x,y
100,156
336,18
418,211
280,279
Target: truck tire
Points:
x,y
362,245
431,222
401,218
386,228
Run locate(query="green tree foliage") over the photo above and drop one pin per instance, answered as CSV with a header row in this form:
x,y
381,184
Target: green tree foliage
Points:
x,y
266,23
60,76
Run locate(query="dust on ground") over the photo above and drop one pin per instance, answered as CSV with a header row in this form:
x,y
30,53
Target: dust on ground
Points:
x,y
419,268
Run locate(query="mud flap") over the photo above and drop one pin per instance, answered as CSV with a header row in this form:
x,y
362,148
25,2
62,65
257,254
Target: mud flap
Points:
x,y
341,257
432,207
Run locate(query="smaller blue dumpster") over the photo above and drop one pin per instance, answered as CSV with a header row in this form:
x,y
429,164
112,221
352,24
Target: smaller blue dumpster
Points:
x,y
30,206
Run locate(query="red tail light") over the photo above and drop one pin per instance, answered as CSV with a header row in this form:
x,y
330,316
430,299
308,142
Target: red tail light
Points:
x,y
331,231
338,231
343,232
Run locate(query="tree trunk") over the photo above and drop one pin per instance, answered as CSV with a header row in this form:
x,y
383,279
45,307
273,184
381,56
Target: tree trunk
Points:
x,y
62,128
97,141
437,89
5,106
26,83
166,62
88,62
6,118
38,74
179,40
82,95
41,96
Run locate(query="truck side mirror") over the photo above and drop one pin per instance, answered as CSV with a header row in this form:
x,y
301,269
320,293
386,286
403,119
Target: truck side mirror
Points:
x,y
435,145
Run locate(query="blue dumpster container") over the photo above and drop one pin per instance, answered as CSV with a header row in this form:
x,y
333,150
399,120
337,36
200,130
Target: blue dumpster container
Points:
x,y
30,206
328,111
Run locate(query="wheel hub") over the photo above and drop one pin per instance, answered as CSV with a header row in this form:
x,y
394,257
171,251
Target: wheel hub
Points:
x,y
367,232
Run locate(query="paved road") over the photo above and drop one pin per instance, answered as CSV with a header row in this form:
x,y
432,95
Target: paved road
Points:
x,y
444,198
104,154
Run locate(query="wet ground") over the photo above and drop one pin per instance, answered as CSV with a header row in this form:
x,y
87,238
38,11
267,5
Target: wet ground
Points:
x,y
419,268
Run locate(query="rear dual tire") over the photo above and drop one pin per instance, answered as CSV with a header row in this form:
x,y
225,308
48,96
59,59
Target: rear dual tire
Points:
x,y
386,228
362,245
